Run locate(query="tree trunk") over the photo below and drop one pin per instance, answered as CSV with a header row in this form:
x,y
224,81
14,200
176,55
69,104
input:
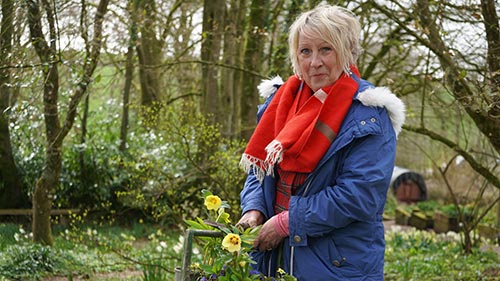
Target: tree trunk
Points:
x,y
149,54
11,187
492,27
129,71
213,22
42,197
230,88
253,60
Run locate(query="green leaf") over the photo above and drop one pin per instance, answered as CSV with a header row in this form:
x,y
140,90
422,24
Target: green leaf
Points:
x,y
205,193
98,78
225,205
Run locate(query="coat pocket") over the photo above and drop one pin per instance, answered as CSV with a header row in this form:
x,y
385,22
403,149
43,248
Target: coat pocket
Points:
x,y
336,258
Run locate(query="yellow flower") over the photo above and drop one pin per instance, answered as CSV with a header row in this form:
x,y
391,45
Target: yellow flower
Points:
x,y
213,202
224,217
232,242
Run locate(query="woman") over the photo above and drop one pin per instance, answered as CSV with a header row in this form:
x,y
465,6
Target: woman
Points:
x,y
321,158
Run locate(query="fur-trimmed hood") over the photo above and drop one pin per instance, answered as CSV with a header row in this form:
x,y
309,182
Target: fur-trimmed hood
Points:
x,y
374,96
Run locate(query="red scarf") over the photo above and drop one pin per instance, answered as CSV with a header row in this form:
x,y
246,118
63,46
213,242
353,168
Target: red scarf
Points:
x,y
297,134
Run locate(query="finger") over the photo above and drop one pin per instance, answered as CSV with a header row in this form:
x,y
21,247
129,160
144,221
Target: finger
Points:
x,y
256,244
243,225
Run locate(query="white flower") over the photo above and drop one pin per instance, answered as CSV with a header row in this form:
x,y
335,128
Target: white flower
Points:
x,y
180,245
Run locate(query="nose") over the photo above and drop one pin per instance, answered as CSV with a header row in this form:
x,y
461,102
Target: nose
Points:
x,y
316,60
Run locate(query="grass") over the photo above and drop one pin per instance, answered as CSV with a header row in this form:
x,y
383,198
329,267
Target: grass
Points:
x,y
149,252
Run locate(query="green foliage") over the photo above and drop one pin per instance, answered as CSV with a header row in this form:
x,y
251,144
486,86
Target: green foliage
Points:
x,y
88,251
157,264
428,206
27,142
28,261
167,161
7,232
390,205
228,258
425,255
168,164
451,210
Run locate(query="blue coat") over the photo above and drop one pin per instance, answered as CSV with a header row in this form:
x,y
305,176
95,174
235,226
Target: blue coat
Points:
x,y
335,217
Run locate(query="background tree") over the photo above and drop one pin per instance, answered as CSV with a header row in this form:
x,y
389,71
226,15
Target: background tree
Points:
x,y
234,42
129,70
257,33
12,194
149,52
49,56
213,24
455,83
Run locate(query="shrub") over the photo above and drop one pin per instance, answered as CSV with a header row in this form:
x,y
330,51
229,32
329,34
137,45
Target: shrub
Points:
x,y
28,261
166,163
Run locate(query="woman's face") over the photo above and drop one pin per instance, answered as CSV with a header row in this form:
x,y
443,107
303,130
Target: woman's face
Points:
x,y
318,64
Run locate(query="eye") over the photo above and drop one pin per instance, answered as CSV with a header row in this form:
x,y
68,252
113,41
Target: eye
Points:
x,y
305,51
326,50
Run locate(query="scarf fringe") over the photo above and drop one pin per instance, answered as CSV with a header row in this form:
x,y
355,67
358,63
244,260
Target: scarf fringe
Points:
x,y
274,155
254,164
262,168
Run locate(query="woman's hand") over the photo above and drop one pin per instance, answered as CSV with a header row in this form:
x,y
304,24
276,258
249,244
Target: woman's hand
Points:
x,y
251,219
268,238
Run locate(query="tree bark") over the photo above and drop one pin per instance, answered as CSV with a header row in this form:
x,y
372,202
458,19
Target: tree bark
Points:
x,y
492,28
231,78
129,71
213,22
11,186
149,53
256,35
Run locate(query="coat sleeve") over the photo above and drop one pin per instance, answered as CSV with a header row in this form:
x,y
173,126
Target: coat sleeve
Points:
x,y
358,193
252,196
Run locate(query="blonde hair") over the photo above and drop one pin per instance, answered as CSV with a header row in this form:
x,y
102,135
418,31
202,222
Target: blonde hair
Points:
x,y
336,25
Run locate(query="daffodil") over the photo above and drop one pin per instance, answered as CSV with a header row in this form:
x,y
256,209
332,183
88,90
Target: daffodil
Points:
x,y
232,242
213,202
